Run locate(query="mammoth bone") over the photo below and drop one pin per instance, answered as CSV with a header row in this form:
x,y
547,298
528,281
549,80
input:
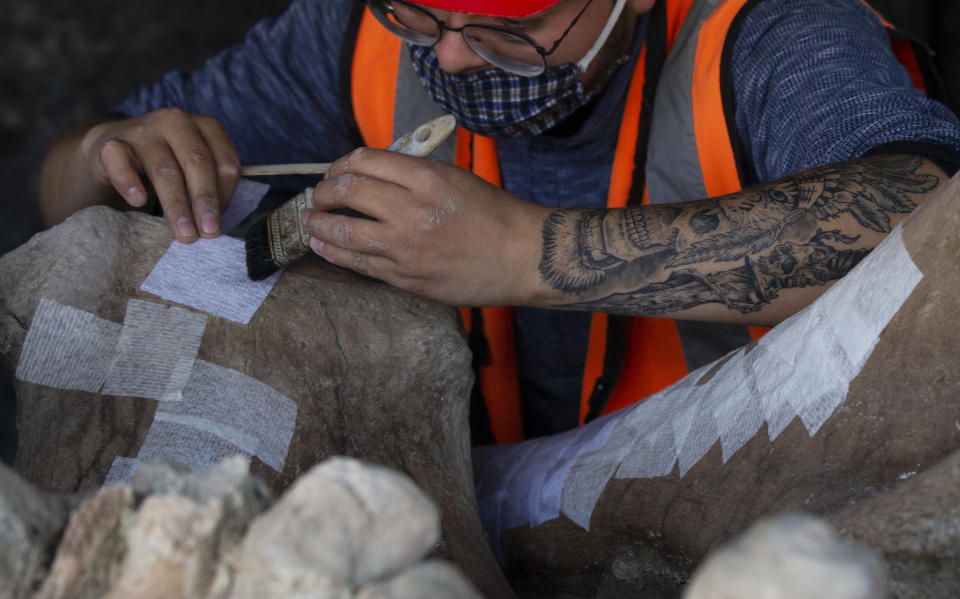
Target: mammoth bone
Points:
x,y
842,405
110,375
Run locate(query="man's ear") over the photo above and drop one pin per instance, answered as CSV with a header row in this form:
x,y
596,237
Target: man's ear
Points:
x,y
640,6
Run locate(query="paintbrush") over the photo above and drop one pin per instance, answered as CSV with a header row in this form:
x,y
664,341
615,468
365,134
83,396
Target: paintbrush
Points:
x,y
280,238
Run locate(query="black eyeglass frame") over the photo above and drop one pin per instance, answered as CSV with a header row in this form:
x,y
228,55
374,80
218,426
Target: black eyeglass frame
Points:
x,y
380,8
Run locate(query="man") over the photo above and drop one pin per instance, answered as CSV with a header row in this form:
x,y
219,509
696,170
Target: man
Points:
x,y
596,106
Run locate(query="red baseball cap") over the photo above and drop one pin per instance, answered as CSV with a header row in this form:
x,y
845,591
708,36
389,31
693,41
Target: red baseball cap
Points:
x,y
494,8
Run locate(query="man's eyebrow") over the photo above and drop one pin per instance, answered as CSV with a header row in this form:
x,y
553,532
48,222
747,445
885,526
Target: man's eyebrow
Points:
x,y
525,22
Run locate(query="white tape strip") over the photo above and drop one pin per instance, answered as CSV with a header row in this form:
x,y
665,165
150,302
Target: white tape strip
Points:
x,y
183,277
122,470
652,452
220,412
209,275
589,474
244,201
738,422
248,444
242,410
496,483
67,348
195,448
523,484
802,368
156,351
223,413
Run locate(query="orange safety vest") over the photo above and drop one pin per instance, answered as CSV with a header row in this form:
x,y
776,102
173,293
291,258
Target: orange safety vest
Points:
x,y
684,62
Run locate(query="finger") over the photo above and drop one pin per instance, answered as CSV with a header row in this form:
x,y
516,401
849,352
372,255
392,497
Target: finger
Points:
x,y
374,197
199,170
164,173
121,168
370,265
400,169
347,232
225,157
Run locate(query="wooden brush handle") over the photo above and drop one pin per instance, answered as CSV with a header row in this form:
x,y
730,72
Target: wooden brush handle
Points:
x,y
420,142
303,168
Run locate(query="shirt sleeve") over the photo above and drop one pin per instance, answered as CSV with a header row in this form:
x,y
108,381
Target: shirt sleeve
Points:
x,y
277,93
816,82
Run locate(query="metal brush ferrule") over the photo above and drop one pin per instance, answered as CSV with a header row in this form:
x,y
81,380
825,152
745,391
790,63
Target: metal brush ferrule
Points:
x,y
287,238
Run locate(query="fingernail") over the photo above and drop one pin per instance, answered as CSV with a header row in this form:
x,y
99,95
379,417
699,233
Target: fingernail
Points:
x,y
304,217
185,226
135,197
209,223
316,245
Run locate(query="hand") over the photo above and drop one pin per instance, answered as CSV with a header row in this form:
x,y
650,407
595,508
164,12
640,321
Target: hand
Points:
x,y
439,230
187,158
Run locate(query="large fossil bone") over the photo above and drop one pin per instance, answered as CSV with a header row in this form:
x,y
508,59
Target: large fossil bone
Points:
x,y
843,403
374,373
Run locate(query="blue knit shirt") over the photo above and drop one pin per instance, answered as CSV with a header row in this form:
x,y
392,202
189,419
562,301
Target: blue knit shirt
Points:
x,y
815,82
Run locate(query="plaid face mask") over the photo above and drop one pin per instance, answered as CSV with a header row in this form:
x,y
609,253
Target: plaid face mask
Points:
x,y
496,103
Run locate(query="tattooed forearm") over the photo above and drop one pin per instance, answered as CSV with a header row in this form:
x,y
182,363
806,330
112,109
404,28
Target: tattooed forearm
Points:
x,y
744,289
738,251
581,248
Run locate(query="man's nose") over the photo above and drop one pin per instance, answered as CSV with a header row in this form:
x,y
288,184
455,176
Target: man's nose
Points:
x,y
454,55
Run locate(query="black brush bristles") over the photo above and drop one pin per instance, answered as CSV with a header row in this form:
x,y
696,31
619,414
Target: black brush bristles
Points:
x,y
260,264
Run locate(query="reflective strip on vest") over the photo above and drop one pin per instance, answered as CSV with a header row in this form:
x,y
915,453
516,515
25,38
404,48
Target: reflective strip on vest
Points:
x,y
689,112
388,99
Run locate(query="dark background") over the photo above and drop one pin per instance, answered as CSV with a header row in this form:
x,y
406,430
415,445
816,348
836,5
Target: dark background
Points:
x,y
61,62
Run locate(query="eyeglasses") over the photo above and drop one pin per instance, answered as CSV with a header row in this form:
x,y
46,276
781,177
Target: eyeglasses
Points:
x,y
512,51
